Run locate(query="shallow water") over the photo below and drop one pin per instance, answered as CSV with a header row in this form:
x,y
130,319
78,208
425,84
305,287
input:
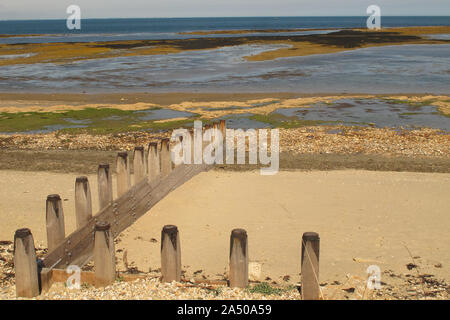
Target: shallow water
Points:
x,y
379,113
360,112
242,121
389,69
444,36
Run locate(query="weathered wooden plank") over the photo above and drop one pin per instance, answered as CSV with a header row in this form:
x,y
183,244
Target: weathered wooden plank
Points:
x,y
157,191
83,201
25,267
310,266
54,221
77,248
139,164
170,254
104,181
123,173
153,160
238,259
166,161
104,255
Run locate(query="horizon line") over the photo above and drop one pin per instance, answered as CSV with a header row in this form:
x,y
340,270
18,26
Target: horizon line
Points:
x,y
215,17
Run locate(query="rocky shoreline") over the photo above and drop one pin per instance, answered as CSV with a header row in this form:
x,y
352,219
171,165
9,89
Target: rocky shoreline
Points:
x,y
306,140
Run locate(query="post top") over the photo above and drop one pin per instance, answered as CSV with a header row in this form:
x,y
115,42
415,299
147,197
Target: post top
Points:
x,y
81,179
238,236
102,226
165,141
311,236
53,197
170,229
22,233
103,165
122,154
139,148
239,233
153,144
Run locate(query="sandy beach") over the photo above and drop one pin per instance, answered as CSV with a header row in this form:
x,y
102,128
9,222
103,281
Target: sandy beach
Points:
x,y
363,218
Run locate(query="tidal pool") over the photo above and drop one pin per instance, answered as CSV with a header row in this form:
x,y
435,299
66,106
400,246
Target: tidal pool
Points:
x,y
375,112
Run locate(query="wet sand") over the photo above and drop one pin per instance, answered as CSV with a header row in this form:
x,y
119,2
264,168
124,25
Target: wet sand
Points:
x,y
87,161
363,218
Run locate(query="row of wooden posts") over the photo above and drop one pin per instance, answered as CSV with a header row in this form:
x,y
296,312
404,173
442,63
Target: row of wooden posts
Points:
x,y
28,279
155,166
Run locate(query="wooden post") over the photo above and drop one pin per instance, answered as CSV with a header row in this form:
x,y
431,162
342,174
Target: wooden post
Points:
x,y
238,259
104,181
54,221
214,132
310,266
25,264
207,135
170,254
104,255
223,127
223,130
180,139
191,133
139,164
166,161
123,173
207,127
83,202
153,161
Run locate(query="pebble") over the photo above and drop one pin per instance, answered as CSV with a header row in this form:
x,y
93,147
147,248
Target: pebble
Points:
x,y
313,139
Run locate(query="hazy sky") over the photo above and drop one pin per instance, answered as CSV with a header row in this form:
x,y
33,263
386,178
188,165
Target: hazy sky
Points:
x,y
56,9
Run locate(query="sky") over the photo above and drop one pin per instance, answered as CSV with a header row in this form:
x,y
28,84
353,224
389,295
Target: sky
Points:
x,y
56,9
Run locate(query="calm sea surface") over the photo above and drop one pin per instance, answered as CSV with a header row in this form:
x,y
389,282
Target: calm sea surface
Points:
x,y
103,26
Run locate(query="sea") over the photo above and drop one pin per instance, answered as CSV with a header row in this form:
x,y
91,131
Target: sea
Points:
x,y
389,69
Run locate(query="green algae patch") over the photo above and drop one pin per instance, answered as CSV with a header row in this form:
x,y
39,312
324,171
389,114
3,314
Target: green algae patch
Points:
x,y
266,289
88,120
124,126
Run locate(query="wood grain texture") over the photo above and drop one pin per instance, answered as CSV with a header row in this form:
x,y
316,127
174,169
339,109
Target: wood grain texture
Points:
x,y
104,181
54,218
